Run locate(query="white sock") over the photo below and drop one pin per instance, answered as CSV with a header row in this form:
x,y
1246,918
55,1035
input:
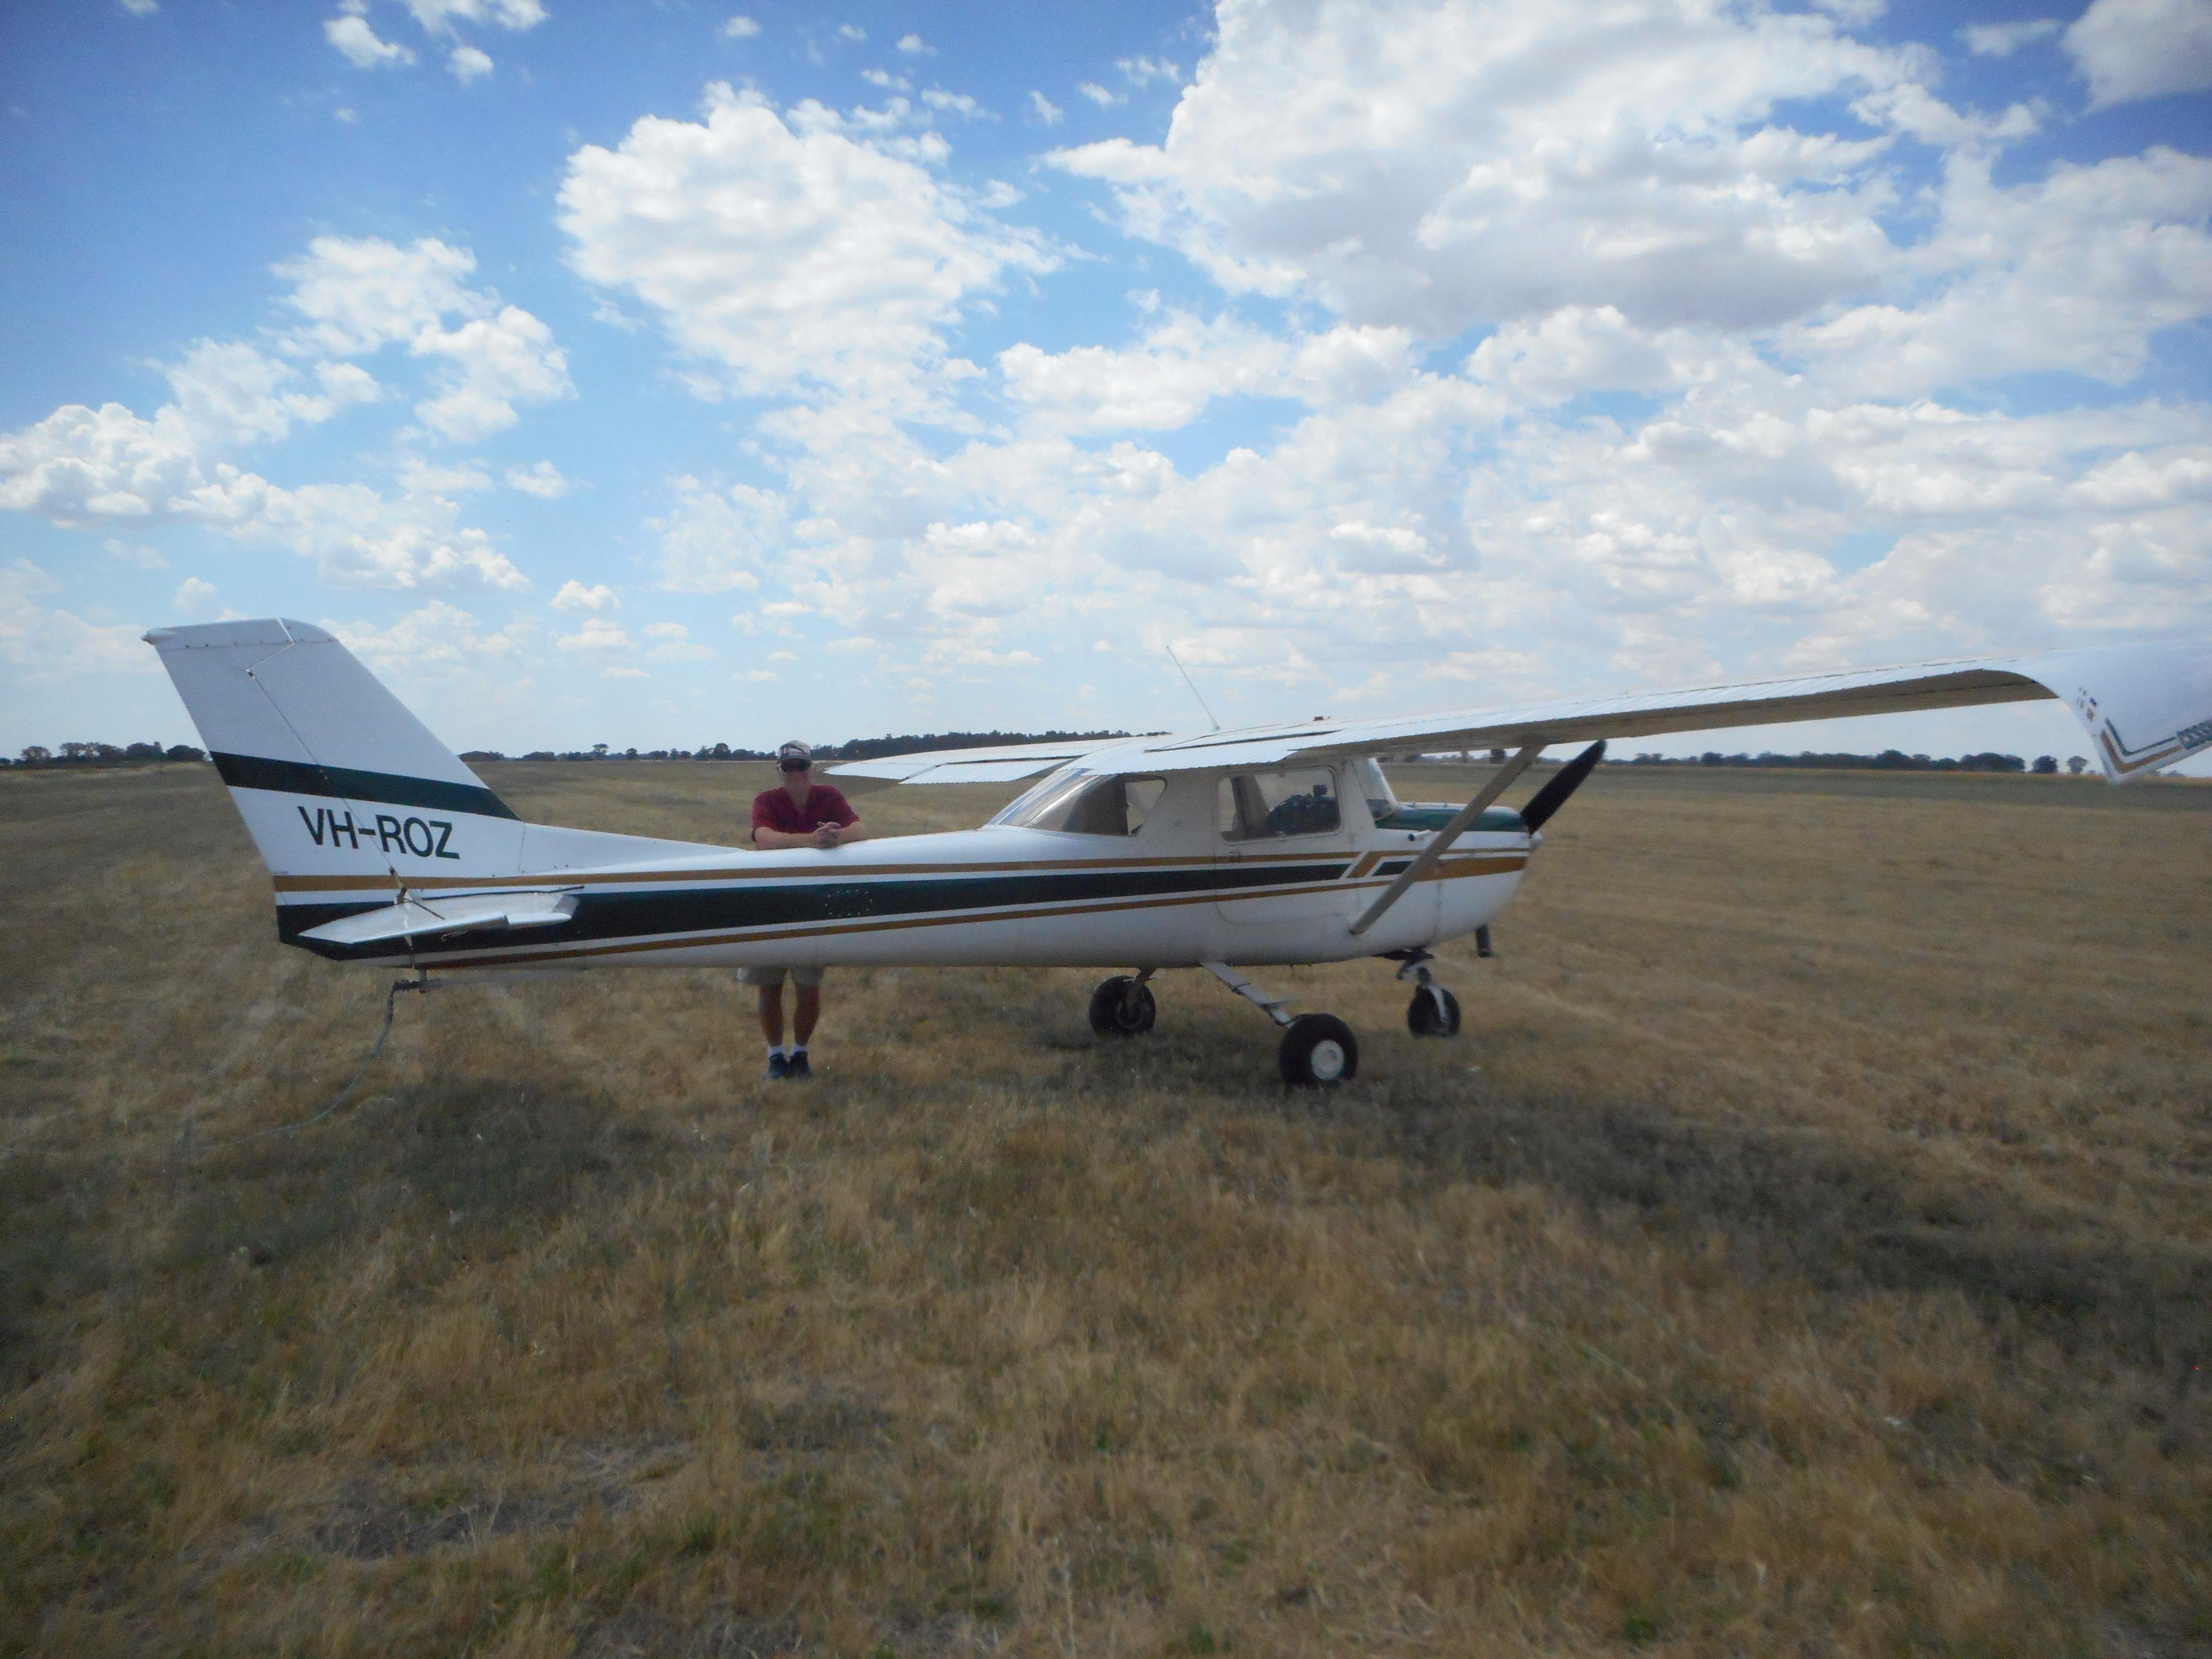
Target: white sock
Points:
x,y
775,1048
798,1048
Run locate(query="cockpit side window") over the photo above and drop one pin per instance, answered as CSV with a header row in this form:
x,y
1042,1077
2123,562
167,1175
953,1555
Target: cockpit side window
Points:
x,y
1273,805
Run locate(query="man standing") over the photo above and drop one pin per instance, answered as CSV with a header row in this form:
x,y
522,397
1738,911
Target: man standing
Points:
x,y
799,813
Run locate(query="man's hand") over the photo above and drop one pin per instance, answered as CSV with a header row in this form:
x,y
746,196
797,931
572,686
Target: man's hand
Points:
x,y
823,837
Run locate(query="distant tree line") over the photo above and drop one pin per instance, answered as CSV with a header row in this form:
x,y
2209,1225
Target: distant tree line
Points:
x,y
103,754
855,749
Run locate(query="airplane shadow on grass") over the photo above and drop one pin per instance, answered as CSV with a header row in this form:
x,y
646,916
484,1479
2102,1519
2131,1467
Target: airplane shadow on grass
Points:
x,y
1794,1204
482,1165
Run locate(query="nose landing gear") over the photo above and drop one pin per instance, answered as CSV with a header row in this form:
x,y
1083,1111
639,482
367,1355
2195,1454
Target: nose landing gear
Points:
x,y
1123,1007
1434,1011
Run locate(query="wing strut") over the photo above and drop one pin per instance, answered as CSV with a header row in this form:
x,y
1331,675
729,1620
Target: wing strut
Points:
x,y
1445,836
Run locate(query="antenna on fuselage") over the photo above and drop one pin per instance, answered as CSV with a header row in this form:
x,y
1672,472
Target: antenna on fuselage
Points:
x,y
1191,683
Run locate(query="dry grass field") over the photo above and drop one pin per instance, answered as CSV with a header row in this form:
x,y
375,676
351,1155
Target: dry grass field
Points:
x,y
1807,1249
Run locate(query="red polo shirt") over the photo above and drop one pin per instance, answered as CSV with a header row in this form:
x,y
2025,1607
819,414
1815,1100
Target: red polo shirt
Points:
x,y
774,809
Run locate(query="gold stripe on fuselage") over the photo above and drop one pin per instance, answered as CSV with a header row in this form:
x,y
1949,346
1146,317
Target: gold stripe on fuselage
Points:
x,y
385,882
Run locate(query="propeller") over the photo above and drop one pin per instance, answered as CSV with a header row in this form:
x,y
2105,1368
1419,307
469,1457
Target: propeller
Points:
x,y
1568,778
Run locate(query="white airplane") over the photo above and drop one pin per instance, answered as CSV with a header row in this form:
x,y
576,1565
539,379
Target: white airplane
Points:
x,y
1224,851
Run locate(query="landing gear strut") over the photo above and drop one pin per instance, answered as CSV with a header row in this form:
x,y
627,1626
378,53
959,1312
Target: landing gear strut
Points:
x,y
1318,1050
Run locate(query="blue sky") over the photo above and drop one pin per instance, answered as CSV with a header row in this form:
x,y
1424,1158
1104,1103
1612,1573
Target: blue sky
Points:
x,y
661,375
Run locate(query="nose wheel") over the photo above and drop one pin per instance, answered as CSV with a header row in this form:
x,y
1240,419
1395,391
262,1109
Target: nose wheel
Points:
x,y
1434,1011
1123,1007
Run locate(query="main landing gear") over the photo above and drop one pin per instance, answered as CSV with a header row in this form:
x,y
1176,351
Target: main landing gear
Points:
x,y
1317,1050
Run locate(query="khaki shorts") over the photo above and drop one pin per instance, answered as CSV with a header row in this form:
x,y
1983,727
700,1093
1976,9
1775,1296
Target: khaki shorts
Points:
x,y
806,979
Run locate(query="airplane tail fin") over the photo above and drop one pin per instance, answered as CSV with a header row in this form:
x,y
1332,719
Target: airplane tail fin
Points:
x,y
338,784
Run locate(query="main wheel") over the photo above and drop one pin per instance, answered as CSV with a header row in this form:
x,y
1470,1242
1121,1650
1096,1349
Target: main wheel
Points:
x,y
1122,1008
1434,1011
1319,1052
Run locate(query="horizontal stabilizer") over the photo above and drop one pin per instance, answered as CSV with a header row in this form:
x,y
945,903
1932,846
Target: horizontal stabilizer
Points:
x,y
413,917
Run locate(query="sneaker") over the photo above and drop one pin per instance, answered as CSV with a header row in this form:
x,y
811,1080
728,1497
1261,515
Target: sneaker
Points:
x,y
778,1066
798,1066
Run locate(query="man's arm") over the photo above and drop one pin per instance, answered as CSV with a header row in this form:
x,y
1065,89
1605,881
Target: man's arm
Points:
x,y
824,836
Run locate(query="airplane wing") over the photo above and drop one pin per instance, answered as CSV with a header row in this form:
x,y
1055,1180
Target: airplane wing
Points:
x,y
2144,707
1006,764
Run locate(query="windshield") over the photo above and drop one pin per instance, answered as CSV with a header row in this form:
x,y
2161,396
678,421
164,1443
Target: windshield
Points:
x,y
1016,810
1081,803
1363,777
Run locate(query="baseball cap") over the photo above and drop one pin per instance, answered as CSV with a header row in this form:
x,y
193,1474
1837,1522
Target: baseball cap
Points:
x,y
795,755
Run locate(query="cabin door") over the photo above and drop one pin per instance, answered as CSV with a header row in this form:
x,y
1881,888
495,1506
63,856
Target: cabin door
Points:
x,y
1284,846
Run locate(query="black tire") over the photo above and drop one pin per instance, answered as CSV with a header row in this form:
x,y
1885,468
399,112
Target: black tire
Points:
x,y
1424,1019
1122,1008
1319,1052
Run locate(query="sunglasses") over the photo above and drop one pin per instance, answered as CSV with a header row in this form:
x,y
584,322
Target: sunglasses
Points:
x,y
795,765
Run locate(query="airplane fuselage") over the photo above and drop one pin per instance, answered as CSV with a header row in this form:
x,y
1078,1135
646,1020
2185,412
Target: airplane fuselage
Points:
x,y
1176,893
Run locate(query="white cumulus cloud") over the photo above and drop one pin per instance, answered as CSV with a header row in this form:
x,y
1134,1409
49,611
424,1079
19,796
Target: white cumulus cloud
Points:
x,y
82,466
574,596
543,481
1440,165
794,255
439,17
468,64
715,540
350,33
194,597
53,644
2131,49
597,634
2002,39
672,642
358,295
